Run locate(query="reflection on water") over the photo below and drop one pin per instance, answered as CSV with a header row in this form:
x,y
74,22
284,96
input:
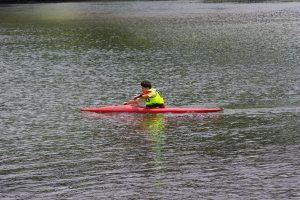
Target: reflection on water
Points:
x,y
152,129
154,126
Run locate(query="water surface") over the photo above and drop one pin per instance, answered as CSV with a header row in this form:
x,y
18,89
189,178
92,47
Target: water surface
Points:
x,y
56,58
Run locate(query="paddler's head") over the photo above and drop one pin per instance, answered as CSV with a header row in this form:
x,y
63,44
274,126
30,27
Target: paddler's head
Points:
x,y
146,85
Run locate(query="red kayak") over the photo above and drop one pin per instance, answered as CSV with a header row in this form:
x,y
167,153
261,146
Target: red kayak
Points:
x,y
142,109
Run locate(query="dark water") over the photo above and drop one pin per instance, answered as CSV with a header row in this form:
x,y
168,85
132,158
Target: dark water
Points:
x,y
56,58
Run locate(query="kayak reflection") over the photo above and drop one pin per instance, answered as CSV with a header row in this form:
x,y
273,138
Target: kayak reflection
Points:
x,y
149,128
147,134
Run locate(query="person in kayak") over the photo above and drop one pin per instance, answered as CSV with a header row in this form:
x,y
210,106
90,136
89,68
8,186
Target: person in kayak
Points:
x,y
152,97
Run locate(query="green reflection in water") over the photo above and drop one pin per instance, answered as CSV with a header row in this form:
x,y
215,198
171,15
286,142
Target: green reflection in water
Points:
x,y
65,27
154,125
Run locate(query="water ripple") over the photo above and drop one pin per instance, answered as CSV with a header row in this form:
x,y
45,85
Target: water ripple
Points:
x,y
57,58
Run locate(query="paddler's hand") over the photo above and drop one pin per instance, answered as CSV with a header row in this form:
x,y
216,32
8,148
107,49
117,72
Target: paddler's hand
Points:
x,y
125,103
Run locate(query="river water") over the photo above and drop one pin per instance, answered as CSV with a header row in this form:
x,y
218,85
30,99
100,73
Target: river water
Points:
x,y
56,58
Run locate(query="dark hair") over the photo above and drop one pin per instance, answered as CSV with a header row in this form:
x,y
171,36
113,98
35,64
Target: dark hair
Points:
x,y
146,84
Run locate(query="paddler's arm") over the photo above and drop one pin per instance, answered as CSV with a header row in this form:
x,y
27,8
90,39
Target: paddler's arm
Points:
x,y
136,99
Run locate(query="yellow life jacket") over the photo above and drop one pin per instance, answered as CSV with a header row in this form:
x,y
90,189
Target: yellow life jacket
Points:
x,y
157,99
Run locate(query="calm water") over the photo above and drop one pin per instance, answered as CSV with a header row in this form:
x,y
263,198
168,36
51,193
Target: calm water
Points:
x,y
56,58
